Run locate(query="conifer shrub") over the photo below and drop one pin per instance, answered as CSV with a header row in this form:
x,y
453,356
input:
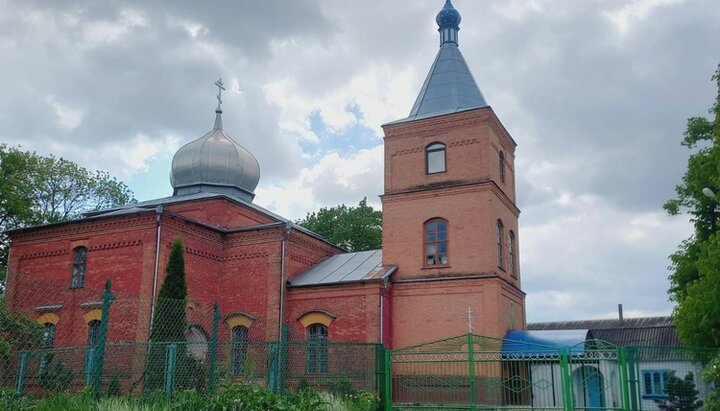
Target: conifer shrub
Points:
x,y
169,324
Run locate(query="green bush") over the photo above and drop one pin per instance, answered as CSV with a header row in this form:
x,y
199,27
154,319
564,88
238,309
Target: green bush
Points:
x,y
56,376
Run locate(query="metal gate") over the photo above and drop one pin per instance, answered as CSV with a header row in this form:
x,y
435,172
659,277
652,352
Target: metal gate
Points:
x,y
472,371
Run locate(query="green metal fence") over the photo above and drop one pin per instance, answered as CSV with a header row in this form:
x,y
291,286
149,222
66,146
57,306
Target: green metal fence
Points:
x,y
132,368
476,372
113,360
119,353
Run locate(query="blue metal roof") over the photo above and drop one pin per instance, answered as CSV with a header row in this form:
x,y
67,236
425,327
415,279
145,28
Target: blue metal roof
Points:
x,y
345,268
544,342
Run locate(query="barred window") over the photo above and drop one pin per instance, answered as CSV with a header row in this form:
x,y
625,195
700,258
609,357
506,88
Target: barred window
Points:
x,y
79,266
436,242
317,350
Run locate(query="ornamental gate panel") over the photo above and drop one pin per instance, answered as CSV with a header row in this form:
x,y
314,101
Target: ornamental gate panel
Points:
x,y
595,368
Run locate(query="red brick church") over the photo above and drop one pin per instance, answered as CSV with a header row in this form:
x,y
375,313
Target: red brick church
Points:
x,y
450,239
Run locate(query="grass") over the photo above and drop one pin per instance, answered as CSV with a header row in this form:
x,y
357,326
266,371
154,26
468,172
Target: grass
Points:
x,y
229,398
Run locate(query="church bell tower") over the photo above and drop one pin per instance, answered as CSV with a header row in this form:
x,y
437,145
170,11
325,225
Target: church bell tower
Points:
x,y
450,220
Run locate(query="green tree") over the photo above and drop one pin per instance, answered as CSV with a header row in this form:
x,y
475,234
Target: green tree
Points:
x,y
17,332
681,394
695,276
169,321
354,228
37,189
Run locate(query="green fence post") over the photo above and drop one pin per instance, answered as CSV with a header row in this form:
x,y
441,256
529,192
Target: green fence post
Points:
x,y
22,370
387,400
471,371
380,370
171,352
212,377
99,361
566,378
624,383
282,359
632,378
89,367
272,367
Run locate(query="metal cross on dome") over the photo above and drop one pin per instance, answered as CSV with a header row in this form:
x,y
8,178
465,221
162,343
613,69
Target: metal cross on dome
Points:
x,y
220,87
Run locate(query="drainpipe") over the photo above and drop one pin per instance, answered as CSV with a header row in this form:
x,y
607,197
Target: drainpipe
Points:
x,y
382,308
7,276
158,213
281,308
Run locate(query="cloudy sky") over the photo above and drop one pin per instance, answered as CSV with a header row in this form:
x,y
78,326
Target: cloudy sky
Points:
x,y
595,92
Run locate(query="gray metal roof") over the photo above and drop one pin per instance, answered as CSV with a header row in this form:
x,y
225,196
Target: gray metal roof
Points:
x,y
449,87
215,162
657,331
345,268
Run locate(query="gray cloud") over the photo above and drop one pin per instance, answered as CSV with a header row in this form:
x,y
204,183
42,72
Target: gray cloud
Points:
x,y
598,112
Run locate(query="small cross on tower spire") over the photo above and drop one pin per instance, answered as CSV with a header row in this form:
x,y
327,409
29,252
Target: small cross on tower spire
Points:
x,y
220,87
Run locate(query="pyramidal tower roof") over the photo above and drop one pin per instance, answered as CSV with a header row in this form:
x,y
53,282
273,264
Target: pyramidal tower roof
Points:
x,y
449,86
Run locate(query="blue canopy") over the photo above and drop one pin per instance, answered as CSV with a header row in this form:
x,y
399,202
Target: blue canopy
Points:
x,y
544,342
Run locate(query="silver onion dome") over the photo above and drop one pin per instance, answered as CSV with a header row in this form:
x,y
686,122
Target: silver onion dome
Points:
x,y
215,163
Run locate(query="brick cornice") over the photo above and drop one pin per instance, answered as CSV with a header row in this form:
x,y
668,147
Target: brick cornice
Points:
x,y
301,259
256,236
452,188
189,227
445,123
311,244
44,254
115,245
84,227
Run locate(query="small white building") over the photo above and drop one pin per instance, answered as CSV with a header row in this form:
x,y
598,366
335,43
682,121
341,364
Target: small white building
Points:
x,y
594,350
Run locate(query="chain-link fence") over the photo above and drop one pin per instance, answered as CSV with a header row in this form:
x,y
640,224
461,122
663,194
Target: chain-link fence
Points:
x,y
93,338
103,338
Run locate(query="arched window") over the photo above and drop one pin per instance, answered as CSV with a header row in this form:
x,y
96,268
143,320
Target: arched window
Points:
x,y
197,342
48,341
436,238
511,254
435,158
93,333
48,335
79,264
317,336
239,349
501,166
499,239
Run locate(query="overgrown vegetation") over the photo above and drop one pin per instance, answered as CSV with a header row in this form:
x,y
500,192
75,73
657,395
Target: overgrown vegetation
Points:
x,y
231,397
